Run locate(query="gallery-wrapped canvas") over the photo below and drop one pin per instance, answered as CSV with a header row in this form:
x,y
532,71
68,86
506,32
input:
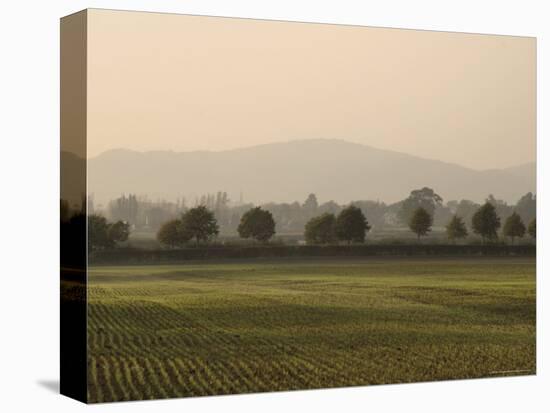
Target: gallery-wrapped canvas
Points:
x,y
256,206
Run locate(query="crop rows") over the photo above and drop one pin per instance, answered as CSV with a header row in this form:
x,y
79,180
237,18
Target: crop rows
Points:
x,y
222,329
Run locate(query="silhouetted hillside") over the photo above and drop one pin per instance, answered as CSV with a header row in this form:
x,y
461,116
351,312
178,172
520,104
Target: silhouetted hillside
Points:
x,y
333,169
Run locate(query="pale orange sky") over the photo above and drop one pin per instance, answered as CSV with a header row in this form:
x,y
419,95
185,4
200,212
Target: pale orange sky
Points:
x,y
183,83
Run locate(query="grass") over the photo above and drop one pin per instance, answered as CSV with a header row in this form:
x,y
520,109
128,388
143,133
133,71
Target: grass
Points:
x,y
204,329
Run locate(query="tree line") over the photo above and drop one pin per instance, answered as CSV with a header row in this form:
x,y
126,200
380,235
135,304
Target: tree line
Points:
x,y
327,223
198,225
145,215
351,226
101,234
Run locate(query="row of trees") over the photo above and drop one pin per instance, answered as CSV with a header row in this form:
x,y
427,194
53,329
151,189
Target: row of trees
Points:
x,y
145,215
141,213
350,225
419,209
199,224
485,222
105,235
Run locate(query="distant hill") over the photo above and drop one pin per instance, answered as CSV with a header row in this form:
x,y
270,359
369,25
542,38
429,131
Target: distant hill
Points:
x,y
283,172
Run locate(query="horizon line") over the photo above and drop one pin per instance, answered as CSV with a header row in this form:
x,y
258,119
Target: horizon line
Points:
x,y
279,143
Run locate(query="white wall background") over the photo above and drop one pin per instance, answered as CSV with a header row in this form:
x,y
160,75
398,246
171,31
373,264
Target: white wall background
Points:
x,y
29,130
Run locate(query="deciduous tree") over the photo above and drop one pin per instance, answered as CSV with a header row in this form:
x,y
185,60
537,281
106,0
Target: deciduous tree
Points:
x,y
258,224
532,229
456,228
172,235
105,235
425,198
513,227
351,225
321,229
486,222
421,222
199,223
118,231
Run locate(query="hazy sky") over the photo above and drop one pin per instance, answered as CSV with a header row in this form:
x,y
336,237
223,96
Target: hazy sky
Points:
x,y
184,83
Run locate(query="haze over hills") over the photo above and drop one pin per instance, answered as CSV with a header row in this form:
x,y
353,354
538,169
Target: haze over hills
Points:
x,y
285,172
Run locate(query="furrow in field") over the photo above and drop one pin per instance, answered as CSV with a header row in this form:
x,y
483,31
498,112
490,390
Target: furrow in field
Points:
x,y
198,376
270,328
161,371
94,389
151,376
119,379
138,367
130,378
105,379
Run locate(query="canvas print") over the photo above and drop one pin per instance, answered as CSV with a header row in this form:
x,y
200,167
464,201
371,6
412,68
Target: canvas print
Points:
x,y
256,206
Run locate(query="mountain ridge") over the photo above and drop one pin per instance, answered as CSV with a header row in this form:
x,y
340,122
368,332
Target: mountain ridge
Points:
x,y
108,152
288,171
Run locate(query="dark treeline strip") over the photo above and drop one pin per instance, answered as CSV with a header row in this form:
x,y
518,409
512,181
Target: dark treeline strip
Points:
x,y
136,256
145,215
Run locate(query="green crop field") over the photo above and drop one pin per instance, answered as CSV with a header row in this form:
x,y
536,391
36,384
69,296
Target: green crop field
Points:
x,y
219,328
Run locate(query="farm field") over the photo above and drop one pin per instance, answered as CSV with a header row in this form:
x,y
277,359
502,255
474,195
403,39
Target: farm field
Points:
x,y
236,327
